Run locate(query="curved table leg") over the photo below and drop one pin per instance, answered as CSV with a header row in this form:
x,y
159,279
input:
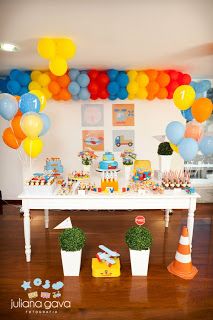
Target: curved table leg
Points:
x,y
27,234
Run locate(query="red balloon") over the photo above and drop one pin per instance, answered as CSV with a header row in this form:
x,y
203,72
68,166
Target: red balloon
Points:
x,y
93,87
103,93
103,79
94,96
93,74
173,74
184,78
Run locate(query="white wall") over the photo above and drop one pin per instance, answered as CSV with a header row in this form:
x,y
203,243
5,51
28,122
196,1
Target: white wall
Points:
x,y
64,138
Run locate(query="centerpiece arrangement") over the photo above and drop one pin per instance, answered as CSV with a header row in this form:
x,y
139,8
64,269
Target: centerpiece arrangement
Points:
x,y
165,156
128,159
87,157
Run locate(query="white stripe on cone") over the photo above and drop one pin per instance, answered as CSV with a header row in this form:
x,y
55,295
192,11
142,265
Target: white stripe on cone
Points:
x,y
183,258
184,240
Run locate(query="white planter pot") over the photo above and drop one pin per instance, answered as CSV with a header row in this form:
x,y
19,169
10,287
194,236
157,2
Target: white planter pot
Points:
x,y
139,262
86,168
71,261
127,170
165,163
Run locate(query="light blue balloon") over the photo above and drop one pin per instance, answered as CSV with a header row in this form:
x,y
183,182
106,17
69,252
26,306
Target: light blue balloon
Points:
x,y
74,88
188,149
46,123
187,114
194,85
75,97
200,95
73,74
83,80
84,94
8,106
175,132
203,86
13,87
29,103
206,145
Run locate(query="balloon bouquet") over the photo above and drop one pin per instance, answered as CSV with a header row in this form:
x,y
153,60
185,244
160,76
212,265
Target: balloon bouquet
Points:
x,y
27,123
189,139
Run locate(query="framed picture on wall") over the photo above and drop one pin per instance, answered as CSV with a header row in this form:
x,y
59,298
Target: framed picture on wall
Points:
x,y
123,139
93,139
123,114
92,115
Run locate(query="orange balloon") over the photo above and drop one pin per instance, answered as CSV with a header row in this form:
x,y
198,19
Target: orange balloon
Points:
x,y
152,88
51,75
63,81
151,97
152,74
193,131
162,93
202,109
54,87
163,79
64,95
19,113
10,139
56,97
17,98
15,123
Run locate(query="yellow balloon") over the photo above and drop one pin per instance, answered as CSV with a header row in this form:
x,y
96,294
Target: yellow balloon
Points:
x,y
183,97
31,125
142,79
46,92
174,147
142,93
34,85
132,87
43,80
58,66
65,48
46,48
131,96
42,98
35,74
132,74
32,147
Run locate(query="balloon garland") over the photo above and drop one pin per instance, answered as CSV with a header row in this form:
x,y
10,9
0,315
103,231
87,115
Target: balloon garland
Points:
x,y
24,96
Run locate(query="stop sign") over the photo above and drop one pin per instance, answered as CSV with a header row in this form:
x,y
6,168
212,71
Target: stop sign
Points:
x,y
140,220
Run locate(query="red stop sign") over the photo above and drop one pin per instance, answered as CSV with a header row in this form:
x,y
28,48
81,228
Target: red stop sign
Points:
x,y
140,220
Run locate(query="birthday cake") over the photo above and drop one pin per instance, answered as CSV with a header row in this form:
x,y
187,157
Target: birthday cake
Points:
x,y
108,162
54,166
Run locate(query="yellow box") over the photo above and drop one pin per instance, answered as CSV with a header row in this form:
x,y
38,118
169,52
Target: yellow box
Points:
x,y
102,270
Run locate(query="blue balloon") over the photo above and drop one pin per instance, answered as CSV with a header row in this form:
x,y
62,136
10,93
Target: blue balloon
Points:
x,y
122,79
13,87
122,94
113,88
74,88
46,123
83,80
14,74
29,103
112,74
3,85
24,78
8,106
188,149
206,145
194,85
199,95
203,86
111,97
23,90
187,114
175,132
84,94
73,74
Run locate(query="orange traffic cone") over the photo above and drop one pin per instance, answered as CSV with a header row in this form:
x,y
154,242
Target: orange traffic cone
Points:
x,y
182,265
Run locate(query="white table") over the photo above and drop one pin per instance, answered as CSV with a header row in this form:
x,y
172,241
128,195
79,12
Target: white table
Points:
x,y
169,200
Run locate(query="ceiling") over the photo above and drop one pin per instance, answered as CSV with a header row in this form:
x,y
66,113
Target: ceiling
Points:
x,y
123,34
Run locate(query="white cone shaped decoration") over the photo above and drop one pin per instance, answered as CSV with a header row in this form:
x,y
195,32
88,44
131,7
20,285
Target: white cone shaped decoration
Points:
x,y
64,224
